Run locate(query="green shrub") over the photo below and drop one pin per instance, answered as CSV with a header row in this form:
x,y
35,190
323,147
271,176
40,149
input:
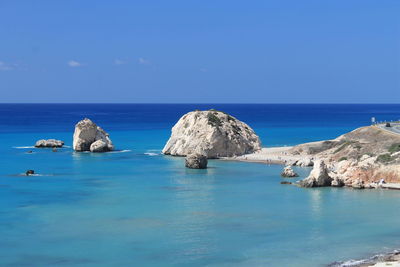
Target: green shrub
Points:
x,y
343,158
394,148
385,158
345,144
213,120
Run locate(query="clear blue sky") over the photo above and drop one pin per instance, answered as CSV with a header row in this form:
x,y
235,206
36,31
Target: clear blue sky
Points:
x,y
322,51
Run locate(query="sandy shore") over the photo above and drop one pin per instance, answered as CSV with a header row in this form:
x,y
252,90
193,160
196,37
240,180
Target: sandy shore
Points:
x,y
270,155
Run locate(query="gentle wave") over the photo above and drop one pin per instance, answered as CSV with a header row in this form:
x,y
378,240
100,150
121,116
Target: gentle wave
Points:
x,y
151,154
35,174
120,151
23,147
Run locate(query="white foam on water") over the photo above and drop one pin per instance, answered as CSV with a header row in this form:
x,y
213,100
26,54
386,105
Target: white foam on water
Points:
x,y
151,154
121,151
23,147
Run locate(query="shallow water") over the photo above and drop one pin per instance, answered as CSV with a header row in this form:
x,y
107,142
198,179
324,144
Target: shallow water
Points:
x,y
137,207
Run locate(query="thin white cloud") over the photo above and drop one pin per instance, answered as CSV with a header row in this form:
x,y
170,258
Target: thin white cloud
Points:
x,y
4,66
119,62
74,64
144,61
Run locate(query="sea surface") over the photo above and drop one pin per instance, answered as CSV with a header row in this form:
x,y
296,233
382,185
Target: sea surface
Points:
x,y
136,207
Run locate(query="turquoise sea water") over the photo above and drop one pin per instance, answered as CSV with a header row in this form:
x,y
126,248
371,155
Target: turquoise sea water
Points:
x,y
135,207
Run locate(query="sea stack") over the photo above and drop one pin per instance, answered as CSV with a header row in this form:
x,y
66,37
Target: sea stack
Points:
x,y
90,137
289,172
318,177
213,134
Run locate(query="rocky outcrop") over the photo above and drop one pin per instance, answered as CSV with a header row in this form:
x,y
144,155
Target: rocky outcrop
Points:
x,y
305,162
288,172
29,172
196,161
213,134
318,177
90,137
49,143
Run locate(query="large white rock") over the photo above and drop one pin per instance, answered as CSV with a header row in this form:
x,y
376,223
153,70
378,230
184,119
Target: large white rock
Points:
x,y
319,176
90,137
213,134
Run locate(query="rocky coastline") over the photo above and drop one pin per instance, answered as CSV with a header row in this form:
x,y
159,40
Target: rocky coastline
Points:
x,y
365,158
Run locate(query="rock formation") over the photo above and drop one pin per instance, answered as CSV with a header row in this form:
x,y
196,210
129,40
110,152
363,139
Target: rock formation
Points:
x,y
90,137
196,161
318,177
288,172
213,134
49,143
29,172
358,159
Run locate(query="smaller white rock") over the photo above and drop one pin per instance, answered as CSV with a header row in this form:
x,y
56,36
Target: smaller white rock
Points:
x,y
98,146
90,137
288,172
49,143
319,176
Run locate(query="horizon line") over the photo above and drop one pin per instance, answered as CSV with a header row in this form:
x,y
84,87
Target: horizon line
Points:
x,y
180,103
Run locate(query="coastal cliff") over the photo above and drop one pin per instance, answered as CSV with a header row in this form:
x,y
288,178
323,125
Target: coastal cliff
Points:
x,y
211,133
363,158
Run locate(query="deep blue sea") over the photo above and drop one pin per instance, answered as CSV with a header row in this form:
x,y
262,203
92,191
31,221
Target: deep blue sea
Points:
x,y
136,207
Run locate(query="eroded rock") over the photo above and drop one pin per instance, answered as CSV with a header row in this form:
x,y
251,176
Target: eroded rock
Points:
x,y
213,134
196,161
49,143
90,137
318,177
289,172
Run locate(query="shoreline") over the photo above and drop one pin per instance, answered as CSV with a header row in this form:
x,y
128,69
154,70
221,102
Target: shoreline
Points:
x,y
379,260
268,155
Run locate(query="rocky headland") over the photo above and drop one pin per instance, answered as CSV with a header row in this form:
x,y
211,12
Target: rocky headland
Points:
x,y
90,137
213,134
367,157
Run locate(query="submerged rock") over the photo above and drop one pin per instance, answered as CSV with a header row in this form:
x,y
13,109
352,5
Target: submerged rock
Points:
x,y
29,172
318,177
288,172
196,161
213,134
49,143
90,137
286,182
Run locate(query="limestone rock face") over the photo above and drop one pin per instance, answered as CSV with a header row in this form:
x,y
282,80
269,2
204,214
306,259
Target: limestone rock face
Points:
x,y
305,162
49,143
288,172
90,137
213,134
196,161
318,177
